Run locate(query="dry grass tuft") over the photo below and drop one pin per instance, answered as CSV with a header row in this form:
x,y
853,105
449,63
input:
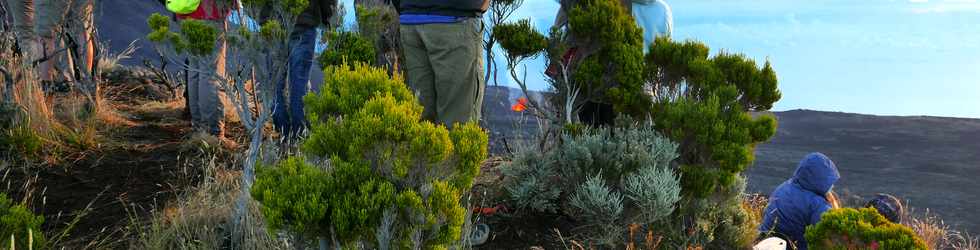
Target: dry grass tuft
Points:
x,y
202,218
937,234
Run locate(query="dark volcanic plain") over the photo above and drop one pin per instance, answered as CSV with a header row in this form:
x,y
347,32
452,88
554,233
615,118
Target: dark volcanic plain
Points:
x,y
932,162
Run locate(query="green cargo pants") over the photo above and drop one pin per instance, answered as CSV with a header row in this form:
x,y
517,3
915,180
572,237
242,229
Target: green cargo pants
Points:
x,y
444,66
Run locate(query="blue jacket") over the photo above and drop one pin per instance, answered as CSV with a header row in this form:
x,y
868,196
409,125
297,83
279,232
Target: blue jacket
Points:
x,y
800,201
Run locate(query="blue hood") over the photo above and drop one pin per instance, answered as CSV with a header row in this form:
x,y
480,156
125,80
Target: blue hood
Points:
x,y
816,173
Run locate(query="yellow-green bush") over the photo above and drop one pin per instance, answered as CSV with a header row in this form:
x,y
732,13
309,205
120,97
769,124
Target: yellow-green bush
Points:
x,y
348,48
292,196
387,165
16,220
850,228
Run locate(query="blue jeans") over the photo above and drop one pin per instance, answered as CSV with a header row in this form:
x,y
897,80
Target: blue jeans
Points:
x,y
291,120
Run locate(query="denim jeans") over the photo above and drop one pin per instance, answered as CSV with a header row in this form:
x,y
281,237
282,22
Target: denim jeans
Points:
x,y
289,119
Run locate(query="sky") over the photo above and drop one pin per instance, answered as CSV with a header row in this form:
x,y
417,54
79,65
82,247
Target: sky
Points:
x,y
883,57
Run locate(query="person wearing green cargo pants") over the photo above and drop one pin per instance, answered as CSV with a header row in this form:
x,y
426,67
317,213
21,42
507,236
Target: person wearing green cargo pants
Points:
x,y
443,43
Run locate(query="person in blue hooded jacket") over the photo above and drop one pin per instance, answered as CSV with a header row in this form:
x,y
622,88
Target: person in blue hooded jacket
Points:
x,y
801,200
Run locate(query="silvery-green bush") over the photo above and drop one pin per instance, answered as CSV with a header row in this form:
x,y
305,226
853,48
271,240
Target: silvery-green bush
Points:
x,y
603,178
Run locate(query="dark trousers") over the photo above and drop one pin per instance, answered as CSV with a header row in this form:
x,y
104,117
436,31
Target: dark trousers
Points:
x,y
597,114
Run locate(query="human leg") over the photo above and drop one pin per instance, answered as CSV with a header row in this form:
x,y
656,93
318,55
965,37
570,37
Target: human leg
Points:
x,y
22,12
419,75
83,11
300,61
455,50
48,14
280,113
210,99
194,77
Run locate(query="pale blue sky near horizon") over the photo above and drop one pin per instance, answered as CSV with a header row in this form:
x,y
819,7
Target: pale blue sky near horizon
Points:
x,y
882,57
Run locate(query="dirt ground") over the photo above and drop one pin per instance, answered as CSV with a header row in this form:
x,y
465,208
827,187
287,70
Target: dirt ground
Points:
x,y
141,162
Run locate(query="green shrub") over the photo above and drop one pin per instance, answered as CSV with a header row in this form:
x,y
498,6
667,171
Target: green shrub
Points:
x,y
294,7
520,39
345,91
603,190
704,103
293,196
387,166
612,70
850,228
17,220
349,47
196,37
734,225
531,181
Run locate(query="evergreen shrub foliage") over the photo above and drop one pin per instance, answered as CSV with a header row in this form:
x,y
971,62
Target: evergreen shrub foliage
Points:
x,y
611,70
196,37
711,105
701,102
603,190
704,103
346,47
394,180
520,39
16,220
292,196
864,228
531,181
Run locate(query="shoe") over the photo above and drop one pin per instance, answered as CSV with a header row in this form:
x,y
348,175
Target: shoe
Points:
x,y
480,234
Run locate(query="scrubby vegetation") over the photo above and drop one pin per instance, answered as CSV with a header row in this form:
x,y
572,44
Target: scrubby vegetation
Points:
x,y
604,191
371,174
702,103
392,181
349,47
850,228
20,224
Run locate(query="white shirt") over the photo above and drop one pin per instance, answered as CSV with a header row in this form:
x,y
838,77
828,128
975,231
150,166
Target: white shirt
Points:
x,y
654,17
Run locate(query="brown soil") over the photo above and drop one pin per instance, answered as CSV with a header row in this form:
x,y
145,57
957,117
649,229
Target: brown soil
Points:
x,y
524,232
139,165
508,230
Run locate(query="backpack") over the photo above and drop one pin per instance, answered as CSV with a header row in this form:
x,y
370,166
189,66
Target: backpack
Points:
x,y
183,6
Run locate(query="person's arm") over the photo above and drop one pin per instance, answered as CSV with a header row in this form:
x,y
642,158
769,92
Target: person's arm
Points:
x,y
815,216
328,9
